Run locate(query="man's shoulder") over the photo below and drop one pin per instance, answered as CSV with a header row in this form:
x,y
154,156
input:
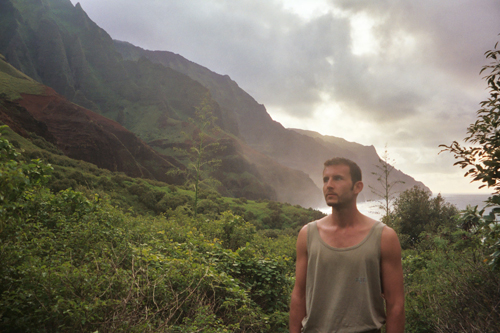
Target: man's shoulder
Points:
x,y
371,221
388,232
389,239
304,229
322,220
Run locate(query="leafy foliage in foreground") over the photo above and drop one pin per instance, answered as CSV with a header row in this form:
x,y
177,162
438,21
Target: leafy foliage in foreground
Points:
x,y
448,285
482,159
126,254
69,262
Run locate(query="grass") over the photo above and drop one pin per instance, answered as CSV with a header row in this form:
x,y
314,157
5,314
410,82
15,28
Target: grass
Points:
x,y
13,82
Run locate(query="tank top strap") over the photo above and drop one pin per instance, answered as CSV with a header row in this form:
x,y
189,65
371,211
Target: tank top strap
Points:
x,y
374,239
379,226
312,233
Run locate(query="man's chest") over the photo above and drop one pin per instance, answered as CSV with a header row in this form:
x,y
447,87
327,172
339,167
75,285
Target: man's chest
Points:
x,y
338,238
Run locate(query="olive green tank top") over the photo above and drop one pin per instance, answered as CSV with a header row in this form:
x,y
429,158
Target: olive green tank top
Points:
x,y
343,285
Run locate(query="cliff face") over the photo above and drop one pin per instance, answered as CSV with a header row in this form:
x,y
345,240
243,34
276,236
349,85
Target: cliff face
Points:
x,y
365,156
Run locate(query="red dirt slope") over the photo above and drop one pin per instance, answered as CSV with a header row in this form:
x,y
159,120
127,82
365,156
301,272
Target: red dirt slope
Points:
x,y
82,134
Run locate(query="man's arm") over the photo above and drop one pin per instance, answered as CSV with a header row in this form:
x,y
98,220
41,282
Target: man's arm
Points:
x,y
392,281
298,302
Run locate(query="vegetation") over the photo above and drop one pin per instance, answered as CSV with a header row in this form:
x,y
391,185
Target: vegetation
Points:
x,y
416,212
201,154
85,249
451,260
448,283
71,261
13,82
482,159
385,192
448,286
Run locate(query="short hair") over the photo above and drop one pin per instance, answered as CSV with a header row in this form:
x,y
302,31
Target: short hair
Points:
x,y
354,169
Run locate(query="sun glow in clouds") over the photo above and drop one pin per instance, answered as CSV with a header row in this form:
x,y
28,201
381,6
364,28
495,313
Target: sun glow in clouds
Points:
x,y
307,9
332,120
363,39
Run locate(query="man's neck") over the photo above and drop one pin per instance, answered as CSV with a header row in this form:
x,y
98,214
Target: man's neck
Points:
x,y
347,216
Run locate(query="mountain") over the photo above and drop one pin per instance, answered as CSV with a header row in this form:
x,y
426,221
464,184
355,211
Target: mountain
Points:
x,y
57,44
29,107
298,149
154,94
365,156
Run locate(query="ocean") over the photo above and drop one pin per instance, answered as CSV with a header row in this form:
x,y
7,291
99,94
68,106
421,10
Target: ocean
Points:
x,y
459,200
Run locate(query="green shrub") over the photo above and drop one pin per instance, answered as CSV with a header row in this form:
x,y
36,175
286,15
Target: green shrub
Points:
x,y
172,202
416,211
105,183
449,287
120,179
62,184
72,263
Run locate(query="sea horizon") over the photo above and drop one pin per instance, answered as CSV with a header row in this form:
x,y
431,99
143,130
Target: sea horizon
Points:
x,y
460,200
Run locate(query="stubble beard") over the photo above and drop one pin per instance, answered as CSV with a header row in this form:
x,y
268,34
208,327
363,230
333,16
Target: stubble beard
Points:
x,y
337,205
340,203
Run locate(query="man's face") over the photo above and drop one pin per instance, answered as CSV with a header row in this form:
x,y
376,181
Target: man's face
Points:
x,y
338,188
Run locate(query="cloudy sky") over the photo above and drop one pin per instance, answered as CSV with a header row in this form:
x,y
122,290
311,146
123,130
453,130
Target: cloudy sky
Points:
x,y
397,73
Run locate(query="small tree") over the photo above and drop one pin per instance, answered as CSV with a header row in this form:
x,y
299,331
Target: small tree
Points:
x,y
201,155
386,191
416,211
482,158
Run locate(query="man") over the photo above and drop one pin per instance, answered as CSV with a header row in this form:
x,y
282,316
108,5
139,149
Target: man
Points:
x,y
348,265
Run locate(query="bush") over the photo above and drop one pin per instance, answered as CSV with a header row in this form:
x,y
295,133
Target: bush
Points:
x,y
172,202
415,212
448,286
69,263
120,179
62,184
105,183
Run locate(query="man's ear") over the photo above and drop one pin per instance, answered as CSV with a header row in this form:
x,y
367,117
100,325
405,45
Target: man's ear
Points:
x,y
358,187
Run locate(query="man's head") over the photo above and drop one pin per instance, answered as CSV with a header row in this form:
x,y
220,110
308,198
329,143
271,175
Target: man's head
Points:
x,y
354,169
341,182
